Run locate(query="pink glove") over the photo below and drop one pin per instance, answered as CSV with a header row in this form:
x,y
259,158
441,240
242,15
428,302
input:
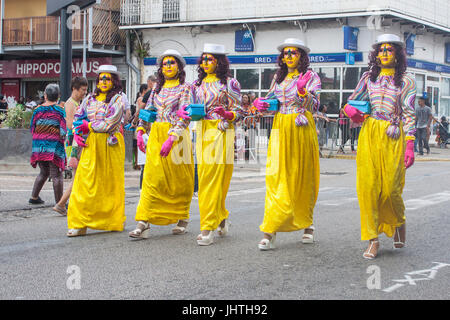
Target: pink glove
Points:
x,y
302,81
409,153
80,141
83,128
227,115
261,105
167,146
140,141
354,114
183,114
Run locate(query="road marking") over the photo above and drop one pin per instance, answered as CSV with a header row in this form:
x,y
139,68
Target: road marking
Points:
x,y
246,191
426,201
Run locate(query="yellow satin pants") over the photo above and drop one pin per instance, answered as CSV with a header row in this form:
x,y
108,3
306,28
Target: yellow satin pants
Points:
x,y
97,200
292,175
215,163
168,182
380,179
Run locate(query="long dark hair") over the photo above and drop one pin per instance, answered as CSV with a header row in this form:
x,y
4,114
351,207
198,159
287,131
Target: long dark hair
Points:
x,y
400,67
222,70
161,79
302,67
116,89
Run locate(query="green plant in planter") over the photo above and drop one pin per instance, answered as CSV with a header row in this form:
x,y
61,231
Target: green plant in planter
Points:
x,y
16,118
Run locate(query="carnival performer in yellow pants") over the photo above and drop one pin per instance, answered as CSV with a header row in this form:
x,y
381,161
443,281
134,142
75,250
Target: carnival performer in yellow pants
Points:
x,y
97,200
386,142
168,181
292,174
221,96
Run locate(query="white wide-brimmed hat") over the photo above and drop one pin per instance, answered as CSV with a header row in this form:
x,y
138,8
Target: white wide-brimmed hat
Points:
x,y
214,48
171,53
388,38
107,68
292,42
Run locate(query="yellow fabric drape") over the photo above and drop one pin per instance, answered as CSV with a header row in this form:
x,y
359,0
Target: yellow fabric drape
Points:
x,y
97,200
292,175
380,178
215,162
168,183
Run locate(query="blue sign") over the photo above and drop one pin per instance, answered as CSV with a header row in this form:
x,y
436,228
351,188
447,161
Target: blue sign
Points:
x,y
350,58
418,64
410,38
447,53
269,58
350,38
243,41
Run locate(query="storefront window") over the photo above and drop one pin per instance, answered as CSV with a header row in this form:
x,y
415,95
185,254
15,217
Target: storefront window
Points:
x,y
331,100
330,77
446,86
248,78
420,84
351,76
266,77
445,107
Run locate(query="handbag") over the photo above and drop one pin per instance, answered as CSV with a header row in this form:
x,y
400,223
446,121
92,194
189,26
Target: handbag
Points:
x,y
363,106
196,111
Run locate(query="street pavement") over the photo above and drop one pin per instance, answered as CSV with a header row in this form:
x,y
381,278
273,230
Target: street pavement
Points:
x,y
37,260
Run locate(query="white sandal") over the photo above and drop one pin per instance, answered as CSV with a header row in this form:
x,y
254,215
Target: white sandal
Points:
x,y
139,233
367,254
223,231
397,234
76,232
267,244
308,238
205,240
178,229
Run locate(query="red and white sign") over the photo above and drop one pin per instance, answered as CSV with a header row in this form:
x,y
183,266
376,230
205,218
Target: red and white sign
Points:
x,y
18,69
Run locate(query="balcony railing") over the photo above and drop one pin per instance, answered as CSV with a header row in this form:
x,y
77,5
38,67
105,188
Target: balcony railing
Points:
x,y
135,12
46,30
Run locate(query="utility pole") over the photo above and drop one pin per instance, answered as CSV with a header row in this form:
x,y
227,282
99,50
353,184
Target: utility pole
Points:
x,y
66,55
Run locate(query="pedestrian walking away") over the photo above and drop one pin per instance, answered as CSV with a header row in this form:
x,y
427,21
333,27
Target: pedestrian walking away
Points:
x,y
423,120
382,158
292,173
48,129
168,181
97,200
221,96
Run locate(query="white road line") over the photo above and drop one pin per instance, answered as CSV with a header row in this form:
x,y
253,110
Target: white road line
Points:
x,y
426,201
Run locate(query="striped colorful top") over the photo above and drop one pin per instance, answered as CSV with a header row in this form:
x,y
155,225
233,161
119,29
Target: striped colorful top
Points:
x,y
387,101
105,118
48,129
290,101
167,102
214,94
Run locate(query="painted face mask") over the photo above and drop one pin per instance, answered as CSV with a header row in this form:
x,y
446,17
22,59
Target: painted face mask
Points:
x,y
291,56
209,63
105,83
169,67
386,55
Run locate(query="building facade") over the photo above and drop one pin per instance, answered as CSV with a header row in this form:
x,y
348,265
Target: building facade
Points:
x,y
30,45
339,33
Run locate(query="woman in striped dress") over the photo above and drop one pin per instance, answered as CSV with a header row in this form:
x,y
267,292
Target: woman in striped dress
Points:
x,y
386,142
292,175
97,200
221,95
48,129
168,182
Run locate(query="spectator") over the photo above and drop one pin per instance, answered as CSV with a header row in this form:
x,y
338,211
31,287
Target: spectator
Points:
x,y
321,123
31,104
344,126
21,104
48,129
3,105
423,121
151,81
443,132
136,153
